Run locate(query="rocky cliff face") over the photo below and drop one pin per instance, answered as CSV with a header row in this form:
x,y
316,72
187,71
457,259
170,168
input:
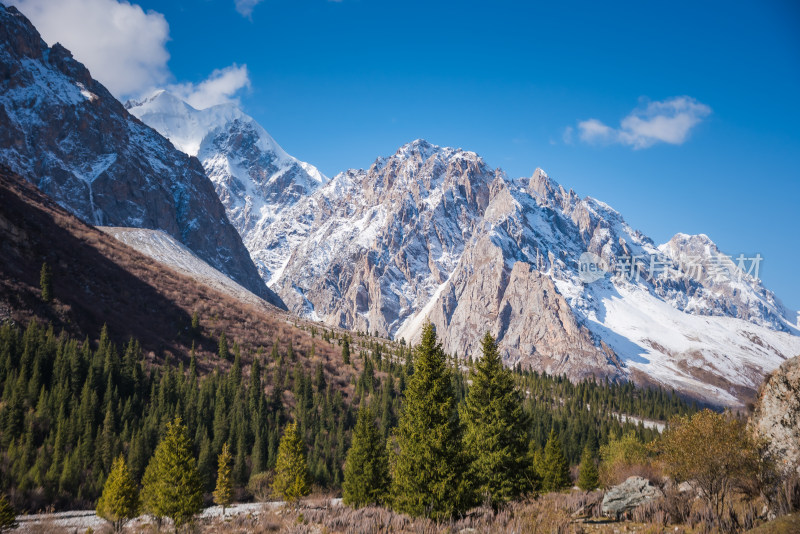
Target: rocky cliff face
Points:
x,y
525,312
776,418
374,245
63,131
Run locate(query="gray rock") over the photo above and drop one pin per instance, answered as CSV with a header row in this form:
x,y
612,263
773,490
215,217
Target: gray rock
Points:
x,y
631,494
776,418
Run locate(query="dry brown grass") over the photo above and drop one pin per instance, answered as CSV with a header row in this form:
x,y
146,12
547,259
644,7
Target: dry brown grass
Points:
x,y
537,516
576,512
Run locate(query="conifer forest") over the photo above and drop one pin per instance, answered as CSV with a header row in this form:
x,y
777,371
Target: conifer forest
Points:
x,y
70,408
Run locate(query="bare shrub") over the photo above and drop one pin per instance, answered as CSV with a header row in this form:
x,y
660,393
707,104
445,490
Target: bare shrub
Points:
x,y
260,486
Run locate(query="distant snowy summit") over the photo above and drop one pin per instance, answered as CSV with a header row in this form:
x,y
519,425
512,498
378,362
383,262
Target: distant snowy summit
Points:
x,y
253,176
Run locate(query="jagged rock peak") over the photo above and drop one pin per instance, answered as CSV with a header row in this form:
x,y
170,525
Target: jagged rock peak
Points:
x,y
192,130
422,150
17,30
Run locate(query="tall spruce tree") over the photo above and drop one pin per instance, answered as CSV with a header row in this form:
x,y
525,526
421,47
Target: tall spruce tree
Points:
x,y
291,470
346,351
222,349
427,461
119,502
223,494
46,282
366,470
588,475
555,468
171,485
495,436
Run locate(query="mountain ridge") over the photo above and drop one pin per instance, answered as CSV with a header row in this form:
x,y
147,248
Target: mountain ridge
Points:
x,y
367,262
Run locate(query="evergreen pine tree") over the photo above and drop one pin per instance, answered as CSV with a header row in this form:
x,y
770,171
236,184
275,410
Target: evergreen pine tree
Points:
x,y
554,469
366,471
223,494
223,347
588,476
46,282
495,436
8,518
426,460
346,351
171,484
119,502
291,470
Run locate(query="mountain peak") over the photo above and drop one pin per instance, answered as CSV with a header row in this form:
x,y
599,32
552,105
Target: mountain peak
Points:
x,y
697,244
161,96
422,151
418,147
253,176
190,130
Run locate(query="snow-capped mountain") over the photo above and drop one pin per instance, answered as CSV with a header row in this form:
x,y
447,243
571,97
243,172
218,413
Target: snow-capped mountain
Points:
x,y
253,176
434,233
63,131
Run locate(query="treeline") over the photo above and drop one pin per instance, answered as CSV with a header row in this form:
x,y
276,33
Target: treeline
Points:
x,y
590,411
69,408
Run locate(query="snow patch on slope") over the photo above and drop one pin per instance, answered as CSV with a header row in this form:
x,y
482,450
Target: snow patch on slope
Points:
x,y
710,356
170,252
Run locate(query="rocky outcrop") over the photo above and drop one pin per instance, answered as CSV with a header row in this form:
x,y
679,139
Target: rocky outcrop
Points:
x,y
64,132
776,418
632,493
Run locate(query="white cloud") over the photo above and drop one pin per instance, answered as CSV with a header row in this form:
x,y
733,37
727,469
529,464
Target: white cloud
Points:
x,y
668,121
245,7
593,130
218,88
122,45
124,48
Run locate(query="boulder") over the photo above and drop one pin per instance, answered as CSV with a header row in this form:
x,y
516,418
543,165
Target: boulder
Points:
x,y
632,493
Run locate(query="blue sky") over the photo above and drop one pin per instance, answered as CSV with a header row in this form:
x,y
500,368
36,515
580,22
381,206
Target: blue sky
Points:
x,y
339,83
